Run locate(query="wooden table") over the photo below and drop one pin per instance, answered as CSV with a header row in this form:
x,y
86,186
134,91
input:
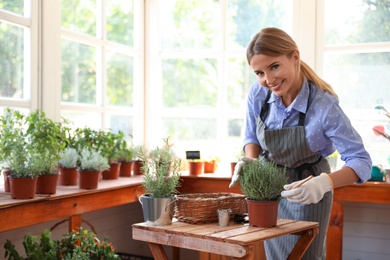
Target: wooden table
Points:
x,y
369,192
235,241
68,202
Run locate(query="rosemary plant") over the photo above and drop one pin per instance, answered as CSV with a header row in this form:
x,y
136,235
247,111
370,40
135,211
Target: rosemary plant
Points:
x,y
262,180
162,172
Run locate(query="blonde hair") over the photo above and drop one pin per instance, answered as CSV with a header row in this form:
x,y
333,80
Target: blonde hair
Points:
x,y
275,42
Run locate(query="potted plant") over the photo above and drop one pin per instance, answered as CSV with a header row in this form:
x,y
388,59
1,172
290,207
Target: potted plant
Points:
x,y
78,244
262,182
195,167
92,163
46,138
109,144
68,166
161,178
23,160
124,155
211,164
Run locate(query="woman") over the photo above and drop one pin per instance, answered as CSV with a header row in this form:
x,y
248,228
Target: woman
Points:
x,y
294,119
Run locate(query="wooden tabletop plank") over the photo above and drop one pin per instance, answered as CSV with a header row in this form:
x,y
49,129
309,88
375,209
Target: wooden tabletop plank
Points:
x,y
289,228
193,243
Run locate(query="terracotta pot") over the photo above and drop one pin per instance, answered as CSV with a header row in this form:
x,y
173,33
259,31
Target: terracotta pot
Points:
x,y
47,184
195,168
89,180
232,166
262,213
125,169
209,166
113,172
68,176
22,187
137,167
6,172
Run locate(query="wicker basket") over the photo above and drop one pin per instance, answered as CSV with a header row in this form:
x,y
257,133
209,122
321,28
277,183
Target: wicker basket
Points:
x,y
199,208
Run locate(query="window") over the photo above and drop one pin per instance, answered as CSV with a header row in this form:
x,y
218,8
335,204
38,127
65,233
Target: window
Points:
x,y
356,62
18,48
101,57
198,73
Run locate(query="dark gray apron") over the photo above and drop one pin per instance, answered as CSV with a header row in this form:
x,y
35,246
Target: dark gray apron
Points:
x,y
287,147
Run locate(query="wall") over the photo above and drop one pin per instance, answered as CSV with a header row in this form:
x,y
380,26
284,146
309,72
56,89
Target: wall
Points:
x,y
366,232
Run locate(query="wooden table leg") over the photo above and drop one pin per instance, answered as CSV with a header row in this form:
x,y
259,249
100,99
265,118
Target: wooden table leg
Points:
x,y
175,253
157,251
74,222
303,244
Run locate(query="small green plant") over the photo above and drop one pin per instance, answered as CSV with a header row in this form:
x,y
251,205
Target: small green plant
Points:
x,y
16,151
125,151
46,138
91,160
69,158
262,181
84,244
35,249
162,174
80,244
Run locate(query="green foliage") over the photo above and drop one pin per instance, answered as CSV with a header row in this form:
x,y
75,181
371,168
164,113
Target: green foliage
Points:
x,y
84,244
69,158
30,144
125,151
46,138
91,160
45,249
262,180
162,174
80,244
105,142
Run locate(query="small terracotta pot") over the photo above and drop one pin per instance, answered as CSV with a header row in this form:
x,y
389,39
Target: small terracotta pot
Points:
x,y
137,167
195,168
22,187
125,169
209,166
47,184
113,172
262,213
68,176
89,180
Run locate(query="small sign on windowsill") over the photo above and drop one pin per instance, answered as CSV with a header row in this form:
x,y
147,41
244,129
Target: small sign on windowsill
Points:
x,y
192,155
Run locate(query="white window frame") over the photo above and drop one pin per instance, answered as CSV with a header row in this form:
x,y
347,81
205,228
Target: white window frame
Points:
x,y
30,22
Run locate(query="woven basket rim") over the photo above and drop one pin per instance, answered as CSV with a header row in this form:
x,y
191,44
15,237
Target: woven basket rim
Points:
x,y
209,196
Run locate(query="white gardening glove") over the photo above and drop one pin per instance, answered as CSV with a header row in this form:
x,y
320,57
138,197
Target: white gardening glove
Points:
x,y
310,192
237,170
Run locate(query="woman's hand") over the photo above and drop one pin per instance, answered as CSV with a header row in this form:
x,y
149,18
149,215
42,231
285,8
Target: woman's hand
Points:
x,y
310,192
237,170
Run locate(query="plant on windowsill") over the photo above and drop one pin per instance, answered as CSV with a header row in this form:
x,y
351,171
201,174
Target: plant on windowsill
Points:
x,y
23,160
68,166
262,183
161,178
124,155
92,164
46,137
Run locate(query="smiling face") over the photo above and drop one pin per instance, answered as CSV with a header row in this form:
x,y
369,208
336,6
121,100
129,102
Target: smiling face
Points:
x,y
279,74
